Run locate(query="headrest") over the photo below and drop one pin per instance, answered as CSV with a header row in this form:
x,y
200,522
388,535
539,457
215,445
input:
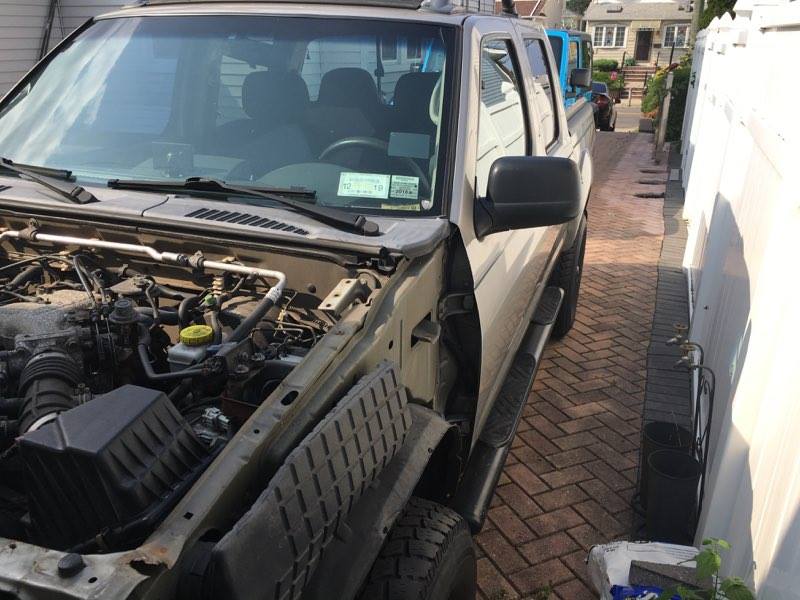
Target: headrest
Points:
x,y
413,92
274,95
348,86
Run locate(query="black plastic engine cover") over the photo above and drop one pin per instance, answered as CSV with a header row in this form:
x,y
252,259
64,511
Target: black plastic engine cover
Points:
x,y
109,468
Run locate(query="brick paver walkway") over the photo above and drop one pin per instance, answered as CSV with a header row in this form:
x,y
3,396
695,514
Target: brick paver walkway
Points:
x,y
572,468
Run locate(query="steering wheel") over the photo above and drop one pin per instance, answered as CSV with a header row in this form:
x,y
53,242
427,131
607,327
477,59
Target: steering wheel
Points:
x,y
381,146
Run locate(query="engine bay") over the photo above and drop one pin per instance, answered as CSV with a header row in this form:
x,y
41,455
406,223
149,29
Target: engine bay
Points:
x,y
119,385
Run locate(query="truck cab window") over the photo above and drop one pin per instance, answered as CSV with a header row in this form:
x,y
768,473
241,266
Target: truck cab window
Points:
x,y
543,97
501,123
572,64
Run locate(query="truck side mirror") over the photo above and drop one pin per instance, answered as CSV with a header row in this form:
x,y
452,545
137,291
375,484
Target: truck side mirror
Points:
x,y
580,78
529,191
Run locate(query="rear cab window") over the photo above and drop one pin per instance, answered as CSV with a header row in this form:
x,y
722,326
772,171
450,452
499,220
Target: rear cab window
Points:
x,y
502,123
586,61
544,98
572,64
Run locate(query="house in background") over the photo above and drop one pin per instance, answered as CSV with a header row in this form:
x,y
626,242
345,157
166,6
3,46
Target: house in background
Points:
x,y
644,30
549,13
572,20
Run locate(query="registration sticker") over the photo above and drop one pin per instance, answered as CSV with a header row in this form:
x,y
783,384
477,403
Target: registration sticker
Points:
x,y
404,187
364,185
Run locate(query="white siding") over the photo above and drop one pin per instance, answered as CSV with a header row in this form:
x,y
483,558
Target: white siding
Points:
x,y
22,25
21,28
740,148
75,13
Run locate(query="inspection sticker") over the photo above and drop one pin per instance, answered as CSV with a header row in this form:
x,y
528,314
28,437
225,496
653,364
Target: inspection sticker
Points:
x,y
364,185
404,187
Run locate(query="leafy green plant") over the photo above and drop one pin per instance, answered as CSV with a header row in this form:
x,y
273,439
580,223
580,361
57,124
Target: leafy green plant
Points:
x,y
605,77
630,62
656,91
606,64
709,563
715,8
578,6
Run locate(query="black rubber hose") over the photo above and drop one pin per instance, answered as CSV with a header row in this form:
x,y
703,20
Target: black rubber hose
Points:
x,y
149,372
253,319
165,317
25,276
213,319
187,305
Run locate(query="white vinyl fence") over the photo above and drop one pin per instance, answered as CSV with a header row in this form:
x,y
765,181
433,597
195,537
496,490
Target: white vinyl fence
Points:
x,y
741,170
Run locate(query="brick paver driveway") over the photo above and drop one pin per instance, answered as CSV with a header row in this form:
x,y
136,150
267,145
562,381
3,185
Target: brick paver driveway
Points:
x,y
572,468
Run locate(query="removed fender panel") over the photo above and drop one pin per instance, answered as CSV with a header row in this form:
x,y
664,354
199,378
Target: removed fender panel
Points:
x,y
375,514
273,550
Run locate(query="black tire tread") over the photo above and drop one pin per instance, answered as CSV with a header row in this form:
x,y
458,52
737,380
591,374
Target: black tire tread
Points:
x,y
563,276
407,565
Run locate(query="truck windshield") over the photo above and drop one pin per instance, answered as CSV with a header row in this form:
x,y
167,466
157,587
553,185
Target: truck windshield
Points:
x,y
353,109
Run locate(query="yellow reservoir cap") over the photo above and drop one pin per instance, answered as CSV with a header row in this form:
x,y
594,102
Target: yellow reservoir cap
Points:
x,y
197,335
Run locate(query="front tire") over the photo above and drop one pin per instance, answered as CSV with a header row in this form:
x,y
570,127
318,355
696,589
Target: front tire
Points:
x,y
567,275
428,555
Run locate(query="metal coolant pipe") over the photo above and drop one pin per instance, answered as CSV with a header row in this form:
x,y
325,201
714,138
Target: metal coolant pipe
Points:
x,y
272,297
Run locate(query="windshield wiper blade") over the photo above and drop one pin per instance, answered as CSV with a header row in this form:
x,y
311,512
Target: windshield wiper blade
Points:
x,y
205,184
48,178
325,214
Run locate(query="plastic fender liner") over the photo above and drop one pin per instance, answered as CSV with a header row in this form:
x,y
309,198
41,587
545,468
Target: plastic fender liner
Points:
x,y
273,550
346,564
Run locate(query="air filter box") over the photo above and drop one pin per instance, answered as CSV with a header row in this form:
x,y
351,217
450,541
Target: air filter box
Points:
x,y
109,469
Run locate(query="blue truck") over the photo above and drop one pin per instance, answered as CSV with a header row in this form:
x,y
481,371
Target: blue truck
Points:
x,y
572,50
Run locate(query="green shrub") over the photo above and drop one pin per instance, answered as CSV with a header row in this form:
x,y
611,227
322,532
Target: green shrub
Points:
x,y
630,62
606,64
655,92
605,77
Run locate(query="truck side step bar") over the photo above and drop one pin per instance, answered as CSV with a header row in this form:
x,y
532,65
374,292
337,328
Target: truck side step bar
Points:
x,y
489,455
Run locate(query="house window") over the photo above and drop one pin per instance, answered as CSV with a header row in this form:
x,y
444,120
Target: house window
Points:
x,y
413,50
679,34
389,48
609,36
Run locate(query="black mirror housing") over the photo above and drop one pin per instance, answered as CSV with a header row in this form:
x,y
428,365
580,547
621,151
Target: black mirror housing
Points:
x,y
529,191
580,78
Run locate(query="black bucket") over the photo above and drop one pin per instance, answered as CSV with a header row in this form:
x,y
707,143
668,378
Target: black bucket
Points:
x,y
660,435
674,477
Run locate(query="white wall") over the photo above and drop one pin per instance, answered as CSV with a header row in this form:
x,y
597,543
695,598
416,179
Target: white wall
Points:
x,y
741,159
21,29
22,26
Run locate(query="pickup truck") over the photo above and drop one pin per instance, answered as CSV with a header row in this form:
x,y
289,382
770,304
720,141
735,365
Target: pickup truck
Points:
x,y
275,280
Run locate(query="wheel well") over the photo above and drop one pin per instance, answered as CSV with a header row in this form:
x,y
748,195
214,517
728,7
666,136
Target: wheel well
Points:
x,y
443,471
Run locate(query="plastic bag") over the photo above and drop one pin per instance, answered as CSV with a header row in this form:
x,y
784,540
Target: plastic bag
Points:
x,y
609,564
637,592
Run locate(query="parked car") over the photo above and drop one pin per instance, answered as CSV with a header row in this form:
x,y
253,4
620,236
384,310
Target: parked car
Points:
x,y
605,116
573,52
271,306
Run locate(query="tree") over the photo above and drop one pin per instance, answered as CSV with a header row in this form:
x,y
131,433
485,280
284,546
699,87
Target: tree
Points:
x,y
714,8
578,6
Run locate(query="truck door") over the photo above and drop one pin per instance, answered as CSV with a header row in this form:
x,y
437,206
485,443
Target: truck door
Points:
x,y
507,267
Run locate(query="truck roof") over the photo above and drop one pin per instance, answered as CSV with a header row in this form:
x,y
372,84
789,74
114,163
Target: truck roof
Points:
x,y
407,4
485,7
437,11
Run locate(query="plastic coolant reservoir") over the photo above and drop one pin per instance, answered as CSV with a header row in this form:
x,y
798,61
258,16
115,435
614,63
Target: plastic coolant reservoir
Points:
x,y
192,349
